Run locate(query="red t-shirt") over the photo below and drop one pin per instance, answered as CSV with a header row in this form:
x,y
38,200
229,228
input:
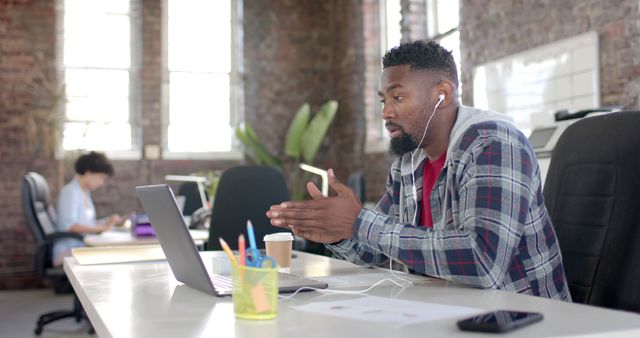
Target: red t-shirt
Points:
x,y
430,174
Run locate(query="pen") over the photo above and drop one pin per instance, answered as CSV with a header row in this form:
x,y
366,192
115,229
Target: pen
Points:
x,y
227,250
241,249
252,236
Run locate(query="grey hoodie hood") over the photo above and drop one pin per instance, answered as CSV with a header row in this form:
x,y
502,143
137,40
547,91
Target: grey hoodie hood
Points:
x,y
467,117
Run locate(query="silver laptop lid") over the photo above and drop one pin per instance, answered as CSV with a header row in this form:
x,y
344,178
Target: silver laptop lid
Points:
x,y
166,219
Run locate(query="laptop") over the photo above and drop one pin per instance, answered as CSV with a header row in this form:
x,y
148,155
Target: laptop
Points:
x,y
160,205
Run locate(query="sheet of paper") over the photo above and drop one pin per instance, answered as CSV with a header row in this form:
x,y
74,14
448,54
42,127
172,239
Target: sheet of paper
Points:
x,y
368,279
390,311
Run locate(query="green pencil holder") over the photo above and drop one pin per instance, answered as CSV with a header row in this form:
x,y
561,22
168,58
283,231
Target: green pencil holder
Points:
x,y
254,292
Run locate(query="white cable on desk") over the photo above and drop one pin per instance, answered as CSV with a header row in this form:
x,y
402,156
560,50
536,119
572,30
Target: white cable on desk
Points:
x,y
354,292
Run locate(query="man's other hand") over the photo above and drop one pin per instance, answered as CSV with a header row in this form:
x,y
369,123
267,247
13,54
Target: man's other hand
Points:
x,y
322,219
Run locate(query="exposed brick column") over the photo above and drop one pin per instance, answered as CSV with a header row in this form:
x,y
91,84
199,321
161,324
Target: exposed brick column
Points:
x,y
151,71
414,20
27,57
305,51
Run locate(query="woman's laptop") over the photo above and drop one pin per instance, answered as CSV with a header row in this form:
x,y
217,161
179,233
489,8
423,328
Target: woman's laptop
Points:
x,y
160,205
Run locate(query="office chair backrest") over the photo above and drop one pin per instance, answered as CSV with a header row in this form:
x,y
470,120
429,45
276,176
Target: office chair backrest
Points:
x,y
36,197
245,193
592,193
40,215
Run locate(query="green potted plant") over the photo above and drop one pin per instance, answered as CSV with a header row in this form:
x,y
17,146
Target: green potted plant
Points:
x,y
303,141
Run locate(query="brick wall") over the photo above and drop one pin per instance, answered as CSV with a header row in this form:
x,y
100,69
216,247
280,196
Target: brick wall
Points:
x,y
26,50
306,51
494,29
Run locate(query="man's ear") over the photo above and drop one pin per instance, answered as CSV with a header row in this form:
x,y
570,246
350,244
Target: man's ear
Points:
x,y
448,89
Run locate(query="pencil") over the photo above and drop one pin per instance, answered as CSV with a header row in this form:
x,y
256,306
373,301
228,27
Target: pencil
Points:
x,y
226,249
241,246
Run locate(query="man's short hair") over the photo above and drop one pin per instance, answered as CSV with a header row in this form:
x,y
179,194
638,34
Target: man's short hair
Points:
x,y
94,162
428,55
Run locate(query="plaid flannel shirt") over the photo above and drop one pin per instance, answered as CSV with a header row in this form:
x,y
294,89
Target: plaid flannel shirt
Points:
x,y
491,227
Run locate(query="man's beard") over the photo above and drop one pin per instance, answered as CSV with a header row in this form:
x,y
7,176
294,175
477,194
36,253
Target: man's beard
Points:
x,y
402,144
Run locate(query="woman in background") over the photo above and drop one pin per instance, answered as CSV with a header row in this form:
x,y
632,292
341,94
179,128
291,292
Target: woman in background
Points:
x,y
76,212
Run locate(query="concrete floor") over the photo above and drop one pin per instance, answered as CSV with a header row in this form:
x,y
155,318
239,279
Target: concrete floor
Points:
x,y
19,311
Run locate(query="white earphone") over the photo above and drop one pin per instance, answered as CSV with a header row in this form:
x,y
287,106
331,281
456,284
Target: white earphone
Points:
x,y
441,98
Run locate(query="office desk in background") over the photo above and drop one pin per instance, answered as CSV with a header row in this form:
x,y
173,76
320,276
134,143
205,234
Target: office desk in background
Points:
x,y
145,300
120,237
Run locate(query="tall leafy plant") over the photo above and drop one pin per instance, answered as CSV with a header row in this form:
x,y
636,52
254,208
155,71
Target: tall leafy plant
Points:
x,y
304,138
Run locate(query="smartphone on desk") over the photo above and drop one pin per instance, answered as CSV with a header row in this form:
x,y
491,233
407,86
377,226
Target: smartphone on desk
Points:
x,y
499,321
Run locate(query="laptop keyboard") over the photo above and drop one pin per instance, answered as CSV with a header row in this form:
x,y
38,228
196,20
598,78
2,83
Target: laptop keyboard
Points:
x,y
221,283
225,283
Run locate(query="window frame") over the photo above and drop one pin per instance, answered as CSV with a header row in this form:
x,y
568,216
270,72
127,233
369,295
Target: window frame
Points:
x,y
432,22
134,153
236,90
434,34
381,142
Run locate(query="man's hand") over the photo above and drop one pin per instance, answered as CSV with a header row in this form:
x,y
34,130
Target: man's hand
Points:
x,y
323,219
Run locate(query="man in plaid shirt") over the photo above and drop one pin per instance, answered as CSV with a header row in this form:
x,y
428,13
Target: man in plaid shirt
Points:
x,y
463,201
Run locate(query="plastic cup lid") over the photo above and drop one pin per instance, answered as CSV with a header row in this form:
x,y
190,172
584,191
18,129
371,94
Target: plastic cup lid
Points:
x,y
279,236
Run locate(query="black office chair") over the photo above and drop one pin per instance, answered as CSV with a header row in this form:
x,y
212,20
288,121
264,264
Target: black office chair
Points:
x,y
592,193
245,193
193,200
40,215
357,183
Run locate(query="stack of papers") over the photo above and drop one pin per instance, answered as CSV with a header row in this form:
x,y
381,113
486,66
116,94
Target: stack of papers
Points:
x,y
117,254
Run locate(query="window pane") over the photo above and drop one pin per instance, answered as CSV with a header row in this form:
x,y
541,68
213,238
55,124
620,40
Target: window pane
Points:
x,y
199,137
200,35
199,112
202,97
97,95
96,34
394,16
97,60
97,136
448,15
452,42
199,65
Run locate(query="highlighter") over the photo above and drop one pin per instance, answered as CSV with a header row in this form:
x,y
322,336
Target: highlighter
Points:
x,y
241,251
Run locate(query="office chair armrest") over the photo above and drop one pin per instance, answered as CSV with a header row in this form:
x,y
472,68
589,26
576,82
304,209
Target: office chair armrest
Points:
x,y
62,235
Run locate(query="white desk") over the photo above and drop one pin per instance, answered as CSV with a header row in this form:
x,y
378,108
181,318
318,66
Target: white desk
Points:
x,y
120,237
144,300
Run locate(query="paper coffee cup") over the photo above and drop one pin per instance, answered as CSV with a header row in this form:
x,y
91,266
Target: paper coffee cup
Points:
x,y
279,247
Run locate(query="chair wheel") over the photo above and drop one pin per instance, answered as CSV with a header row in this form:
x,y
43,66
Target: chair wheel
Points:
x,y
38,331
